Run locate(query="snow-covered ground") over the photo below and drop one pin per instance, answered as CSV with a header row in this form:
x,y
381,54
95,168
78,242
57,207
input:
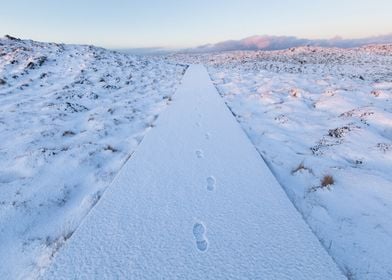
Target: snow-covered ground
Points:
x,y
222,215
314,112
70,116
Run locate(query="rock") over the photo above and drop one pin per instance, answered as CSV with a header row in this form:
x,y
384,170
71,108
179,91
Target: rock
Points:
x,y
9,37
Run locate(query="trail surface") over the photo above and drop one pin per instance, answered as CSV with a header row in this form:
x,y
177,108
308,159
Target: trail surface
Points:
x,y
195,201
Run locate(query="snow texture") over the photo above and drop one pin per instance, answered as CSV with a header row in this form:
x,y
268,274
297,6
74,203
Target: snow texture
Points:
x,y
195,201
313,112
70,116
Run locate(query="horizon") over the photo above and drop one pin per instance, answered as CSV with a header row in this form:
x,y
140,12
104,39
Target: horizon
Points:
x,y
273,43
152,24
219,139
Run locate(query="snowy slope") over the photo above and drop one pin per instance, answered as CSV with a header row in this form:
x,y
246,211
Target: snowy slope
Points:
x,y
313,112
195,201
70,116
369,62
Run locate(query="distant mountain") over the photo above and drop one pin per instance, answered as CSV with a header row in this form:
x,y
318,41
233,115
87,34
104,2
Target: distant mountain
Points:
x,y
266,42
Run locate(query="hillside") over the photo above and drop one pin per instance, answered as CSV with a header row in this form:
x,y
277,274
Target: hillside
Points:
x,y
70,116
322,120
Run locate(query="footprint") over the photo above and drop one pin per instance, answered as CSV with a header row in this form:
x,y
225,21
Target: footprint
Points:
x,y
207,136
199,153
202,245
199,232
198,124
211,183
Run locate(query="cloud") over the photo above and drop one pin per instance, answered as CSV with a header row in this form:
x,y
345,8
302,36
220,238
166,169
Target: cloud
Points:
x,y
266,42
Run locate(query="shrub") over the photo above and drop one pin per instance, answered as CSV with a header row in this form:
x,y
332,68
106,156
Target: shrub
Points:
x,y
327,181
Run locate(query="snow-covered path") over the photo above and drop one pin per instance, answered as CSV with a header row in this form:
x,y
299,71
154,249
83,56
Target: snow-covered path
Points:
x,y
195,201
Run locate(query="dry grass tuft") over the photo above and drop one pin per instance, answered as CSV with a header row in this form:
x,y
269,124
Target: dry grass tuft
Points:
x,y
327,181
301,167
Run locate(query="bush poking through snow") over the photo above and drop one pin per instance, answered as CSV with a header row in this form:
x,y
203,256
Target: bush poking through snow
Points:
x,y
68,133
300,168
338,132
294,92
376,93
327,181
110,148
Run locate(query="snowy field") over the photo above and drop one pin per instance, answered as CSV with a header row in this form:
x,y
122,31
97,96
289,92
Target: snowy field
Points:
x,y
322,120
70,116
222,215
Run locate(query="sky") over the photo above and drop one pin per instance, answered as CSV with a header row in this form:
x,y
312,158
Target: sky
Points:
x,y
188,23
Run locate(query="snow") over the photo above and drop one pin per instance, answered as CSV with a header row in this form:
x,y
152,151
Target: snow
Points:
x,y
70,116
195,201
312,112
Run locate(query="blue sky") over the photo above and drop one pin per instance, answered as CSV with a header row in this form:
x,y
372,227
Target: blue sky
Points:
x,y
185,23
